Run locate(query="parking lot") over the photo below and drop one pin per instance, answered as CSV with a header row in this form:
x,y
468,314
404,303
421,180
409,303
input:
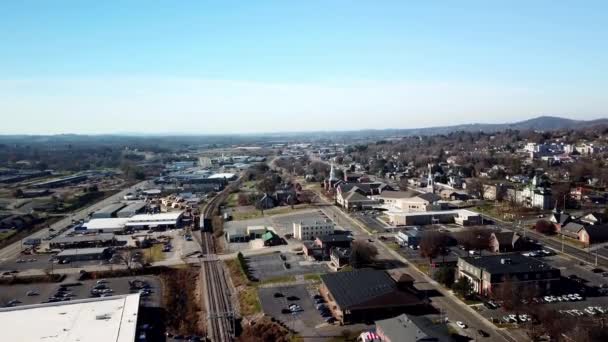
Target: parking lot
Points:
x,y
42,292
272,265
277,299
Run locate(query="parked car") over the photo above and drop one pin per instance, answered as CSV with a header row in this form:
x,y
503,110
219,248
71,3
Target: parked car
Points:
x,y
461,325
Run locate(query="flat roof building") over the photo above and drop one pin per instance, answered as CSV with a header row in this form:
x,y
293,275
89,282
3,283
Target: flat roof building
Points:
x,y
105,319
487,273
162,220
81,254
106,225
83,241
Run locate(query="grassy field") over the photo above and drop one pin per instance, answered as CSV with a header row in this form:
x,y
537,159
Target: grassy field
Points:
x,y
313,277
249,302
281,279
7,233
232,200
393,245
252,214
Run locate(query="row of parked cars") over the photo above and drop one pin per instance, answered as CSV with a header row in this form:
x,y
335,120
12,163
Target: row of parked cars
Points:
x,y
573,297
323,309
590,310
512,318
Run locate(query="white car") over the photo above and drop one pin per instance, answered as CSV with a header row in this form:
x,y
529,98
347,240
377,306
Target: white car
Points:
x,y
461,325
600,310
548,299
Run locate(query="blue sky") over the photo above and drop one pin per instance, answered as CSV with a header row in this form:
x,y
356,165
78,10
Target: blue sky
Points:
x,y
266,66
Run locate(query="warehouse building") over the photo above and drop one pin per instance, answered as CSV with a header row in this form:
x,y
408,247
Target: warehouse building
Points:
x,y
161,221
57,182
109,211
83,254
84,241
106,225
104,319
132,209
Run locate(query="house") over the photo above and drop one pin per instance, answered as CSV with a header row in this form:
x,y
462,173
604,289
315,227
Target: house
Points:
x,y
594,234
366,294
340,257
487,273
587,234
594,218
559,218
404,328
266,202
505,241
320,248
572,230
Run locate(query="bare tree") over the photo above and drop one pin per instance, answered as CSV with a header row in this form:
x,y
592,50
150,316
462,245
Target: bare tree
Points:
x,y
433,244
362,254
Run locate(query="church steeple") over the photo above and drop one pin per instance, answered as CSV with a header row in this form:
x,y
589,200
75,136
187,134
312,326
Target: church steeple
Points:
x,y
430,182
332,173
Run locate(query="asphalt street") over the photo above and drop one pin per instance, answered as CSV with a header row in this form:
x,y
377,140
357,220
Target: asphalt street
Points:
x,y
13,250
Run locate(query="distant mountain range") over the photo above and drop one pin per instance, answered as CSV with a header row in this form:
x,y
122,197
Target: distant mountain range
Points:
x,y
541,123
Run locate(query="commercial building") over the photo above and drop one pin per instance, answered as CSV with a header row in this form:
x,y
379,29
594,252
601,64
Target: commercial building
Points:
x,y
409,238
132,209
487,273
460,216
82,254
367,294
105,319
108,211
83,241
57,182
308,230
227,176
168,220
404,328
106,225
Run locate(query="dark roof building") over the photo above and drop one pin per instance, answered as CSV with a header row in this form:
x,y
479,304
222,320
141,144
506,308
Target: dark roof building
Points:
x,y
489,272
365,294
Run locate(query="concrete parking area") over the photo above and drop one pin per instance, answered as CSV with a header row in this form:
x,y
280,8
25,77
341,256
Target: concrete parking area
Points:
x,y
307,322
41,292
272,265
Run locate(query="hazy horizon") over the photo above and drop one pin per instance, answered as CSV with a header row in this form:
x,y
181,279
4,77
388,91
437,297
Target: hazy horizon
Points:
x,y
193,67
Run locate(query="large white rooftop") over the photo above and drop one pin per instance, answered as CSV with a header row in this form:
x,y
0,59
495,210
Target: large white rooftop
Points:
x,y
222,175
109,319
170,216
106,223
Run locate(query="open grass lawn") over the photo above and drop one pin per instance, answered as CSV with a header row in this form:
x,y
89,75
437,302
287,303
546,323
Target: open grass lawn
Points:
x,y
249,302
232,200
239,215
5,234
313,276
280,279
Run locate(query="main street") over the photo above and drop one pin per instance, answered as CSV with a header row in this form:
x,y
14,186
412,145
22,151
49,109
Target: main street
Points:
x,y
13,250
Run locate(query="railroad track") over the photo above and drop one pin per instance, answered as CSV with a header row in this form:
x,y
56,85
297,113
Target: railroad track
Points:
x,y
220,316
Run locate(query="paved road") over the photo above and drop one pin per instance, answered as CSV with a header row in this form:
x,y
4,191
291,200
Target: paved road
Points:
x,y
13,250
446,302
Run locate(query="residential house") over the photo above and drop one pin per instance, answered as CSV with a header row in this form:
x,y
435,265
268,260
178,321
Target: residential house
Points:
x,y
320,248
559,218
339,256
266,202
505,241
